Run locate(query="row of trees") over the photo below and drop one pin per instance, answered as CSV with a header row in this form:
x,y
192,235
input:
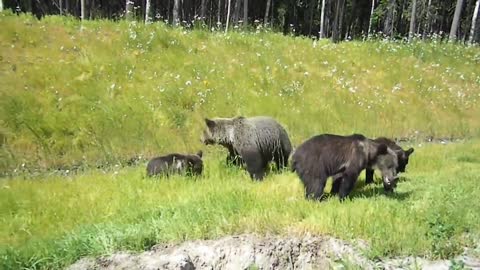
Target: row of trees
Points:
x,y
336,19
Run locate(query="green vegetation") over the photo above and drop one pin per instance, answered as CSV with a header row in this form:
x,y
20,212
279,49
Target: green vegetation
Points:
x,y
53,221
114,89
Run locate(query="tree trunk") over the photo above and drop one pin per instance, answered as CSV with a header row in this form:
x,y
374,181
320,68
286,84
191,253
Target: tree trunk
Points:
x,y
271,12
228,15
203,10
287,18
337,22
245,13
147,11
128,10
426,28
1,5
175,18
219,11
322,20
82,10
91,9
183,14
456,20
210,23
60,6
311,8
327,24
267,11
474,22
389,20
371,18
236,11
397,18
476,36
67,7
411,32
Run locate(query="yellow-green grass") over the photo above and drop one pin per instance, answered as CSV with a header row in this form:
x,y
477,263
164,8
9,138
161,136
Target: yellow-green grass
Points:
x,y
73,95
49,222
109,90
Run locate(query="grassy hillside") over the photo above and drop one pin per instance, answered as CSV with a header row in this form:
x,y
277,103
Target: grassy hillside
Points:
x,y
113,90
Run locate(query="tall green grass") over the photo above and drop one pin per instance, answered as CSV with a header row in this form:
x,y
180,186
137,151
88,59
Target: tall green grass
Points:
x,y
75,95
50,222
105,91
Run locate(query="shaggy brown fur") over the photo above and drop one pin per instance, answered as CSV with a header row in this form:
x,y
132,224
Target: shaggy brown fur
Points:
x,y
176,164
343,158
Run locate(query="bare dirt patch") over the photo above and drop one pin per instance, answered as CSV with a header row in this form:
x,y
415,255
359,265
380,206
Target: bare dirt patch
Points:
x,y
272,252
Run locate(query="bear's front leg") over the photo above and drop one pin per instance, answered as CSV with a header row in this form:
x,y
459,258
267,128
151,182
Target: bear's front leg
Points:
x,y
337,183
315,187
347,184
235,160
369,176
233,157
255,164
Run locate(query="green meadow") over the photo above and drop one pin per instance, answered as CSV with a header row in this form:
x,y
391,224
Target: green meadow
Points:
x,y
102,92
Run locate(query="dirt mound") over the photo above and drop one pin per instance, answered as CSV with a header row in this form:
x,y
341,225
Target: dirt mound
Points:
x,y
252,252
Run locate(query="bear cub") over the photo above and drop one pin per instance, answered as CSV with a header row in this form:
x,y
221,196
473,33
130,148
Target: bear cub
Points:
x,y
252,141
176,164
342,158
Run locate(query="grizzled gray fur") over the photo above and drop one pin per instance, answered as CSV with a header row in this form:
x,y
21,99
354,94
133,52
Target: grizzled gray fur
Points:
x,y
253,141
176,164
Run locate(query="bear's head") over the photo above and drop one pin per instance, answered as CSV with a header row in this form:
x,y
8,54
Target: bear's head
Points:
x,y
218,131
403,157
386,160
195,163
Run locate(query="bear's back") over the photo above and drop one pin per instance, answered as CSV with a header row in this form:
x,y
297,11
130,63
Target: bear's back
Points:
x,y
391,144
268,132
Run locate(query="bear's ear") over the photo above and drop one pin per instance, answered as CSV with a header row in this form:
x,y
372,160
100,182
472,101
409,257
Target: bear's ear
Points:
x,y
409,152
209,123
200,153
382,149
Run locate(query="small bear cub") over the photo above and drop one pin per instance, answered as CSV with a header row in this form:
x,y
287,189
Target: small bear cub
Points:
x,y
176,164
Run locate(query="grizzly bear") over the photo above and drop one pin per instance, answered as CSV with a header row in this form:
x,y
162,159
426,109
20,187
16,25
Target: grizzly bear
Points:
x,y
252,141
343,158
403,156
176,164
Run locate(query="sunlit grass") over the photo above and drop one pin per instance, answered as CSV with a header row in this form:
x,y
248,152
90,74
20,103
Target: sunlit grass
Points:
x,y
113,89
56,220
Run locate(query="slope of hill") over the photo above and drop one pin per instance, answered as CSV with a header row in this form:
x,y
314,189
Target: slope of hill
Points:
x,y
113,89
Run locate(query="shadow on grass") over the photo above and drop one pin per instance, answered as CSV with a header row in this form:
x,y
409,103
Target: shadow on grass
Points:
x,y
378,190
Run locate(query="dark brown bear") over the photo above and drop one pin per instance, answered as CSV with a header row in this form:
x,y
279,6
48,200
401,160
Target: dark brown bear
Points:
x,y
176,164
403,156
343,158
252,141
